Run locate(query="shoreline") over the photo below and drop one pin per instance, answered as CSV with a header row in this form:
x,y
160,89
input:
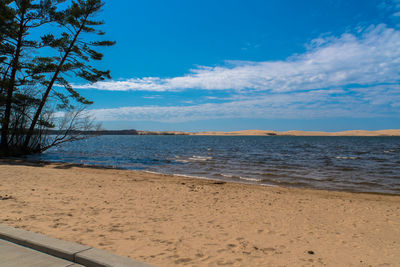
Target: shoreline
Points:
x,y
167,220
359,133
22,161
382,133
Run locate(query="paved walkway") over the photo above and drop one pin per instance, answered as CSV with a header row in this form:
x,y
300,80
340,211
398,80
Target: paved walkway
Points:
x,y
20,248
12,255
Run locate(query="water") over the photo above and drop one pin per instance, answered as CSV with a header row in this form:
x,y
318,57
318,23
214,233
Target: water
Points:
x,y
358,164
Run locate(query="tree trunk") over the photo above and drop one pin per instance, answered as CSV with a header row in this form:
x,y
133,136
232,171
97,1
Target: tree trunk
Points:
x,y
10,89
48,90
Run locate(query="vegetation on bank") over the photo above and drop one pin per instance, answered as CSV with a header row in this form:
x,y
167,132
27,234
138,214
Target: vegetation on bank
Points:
x,y
44,44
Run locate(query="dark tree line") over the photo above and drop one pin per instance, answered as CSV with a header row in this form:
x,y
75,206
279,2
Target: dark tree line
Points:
x,y
43,43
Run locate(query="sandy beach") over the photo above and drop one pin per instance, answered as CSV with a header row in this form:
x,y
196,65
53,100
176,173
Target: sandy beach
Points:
x,y
168,220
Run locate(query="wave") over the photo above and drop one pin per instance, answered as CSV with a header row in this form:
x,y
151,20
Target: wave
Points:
x,y
389,151
330,163
200,158
251,179
193,158
343,157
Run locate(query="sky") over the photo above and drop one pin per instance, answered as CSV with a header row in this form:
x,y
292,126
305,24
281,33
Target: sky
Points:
x,y
226,65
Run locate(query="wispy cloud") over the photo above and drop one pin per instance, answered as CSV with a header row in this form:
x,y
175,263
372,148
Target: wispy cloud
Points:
x,y
392,9
375,101
370,57
353,75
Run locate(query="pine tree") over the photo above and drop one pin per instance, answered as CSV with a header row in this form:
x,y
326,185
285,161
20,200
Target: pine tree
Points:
x,y
19,18
34,87
75,53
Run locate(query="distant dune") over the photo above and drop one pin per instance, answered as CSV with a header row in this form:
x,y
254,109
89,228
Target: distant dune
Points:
x,y
252,132
304,133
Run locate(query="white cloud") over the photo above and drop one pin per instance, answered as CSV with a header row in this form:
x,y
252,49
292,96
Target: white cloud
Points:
x,y
373,101
373,57
354,75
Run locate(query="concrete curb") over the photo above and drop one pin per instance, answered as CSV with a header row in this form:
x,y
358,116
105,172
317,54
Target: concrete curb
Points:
x,y
73,252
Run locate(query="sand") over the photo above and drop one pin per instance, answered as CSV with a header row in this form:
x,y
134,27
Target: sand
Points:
x,y
168,220
269,133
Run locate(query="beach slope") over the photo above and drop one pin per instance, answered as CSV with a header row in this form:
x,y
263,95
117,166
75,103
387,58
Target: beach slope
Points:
x,y
169,220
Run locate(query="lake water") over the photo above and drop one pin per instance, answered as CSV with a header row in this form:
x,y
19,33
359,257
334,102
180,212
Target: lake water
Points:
x,y
358,164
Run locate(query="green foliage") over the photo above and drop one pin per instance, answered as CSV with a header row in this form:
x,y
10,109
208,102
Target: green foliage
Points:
x,y
34,86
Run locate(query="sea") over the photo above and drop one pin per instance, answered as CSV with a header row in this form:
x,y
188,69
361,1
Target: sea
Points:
x,y
356,164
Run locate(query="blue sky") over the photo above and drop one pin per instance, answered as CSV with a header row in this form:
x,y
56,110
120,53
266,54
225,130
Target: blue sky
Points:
x,y
250,64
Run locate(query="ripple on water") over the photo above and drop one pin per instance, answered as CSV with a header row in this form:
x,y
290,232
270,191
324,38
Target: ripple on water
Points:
x,y
368,164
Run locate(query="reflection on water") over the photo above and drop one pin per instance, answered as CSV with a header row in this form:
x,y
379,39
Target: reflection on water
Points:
x,y
363,164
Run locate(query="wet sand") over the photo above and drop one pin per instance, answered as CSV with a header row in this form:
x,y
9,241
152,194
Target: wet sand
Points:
x,y
168,220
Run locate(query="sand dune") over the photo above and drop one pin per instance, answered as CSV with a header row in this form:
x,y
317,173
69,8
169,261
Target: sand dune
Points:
x,y
305,133
175,221
245,132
